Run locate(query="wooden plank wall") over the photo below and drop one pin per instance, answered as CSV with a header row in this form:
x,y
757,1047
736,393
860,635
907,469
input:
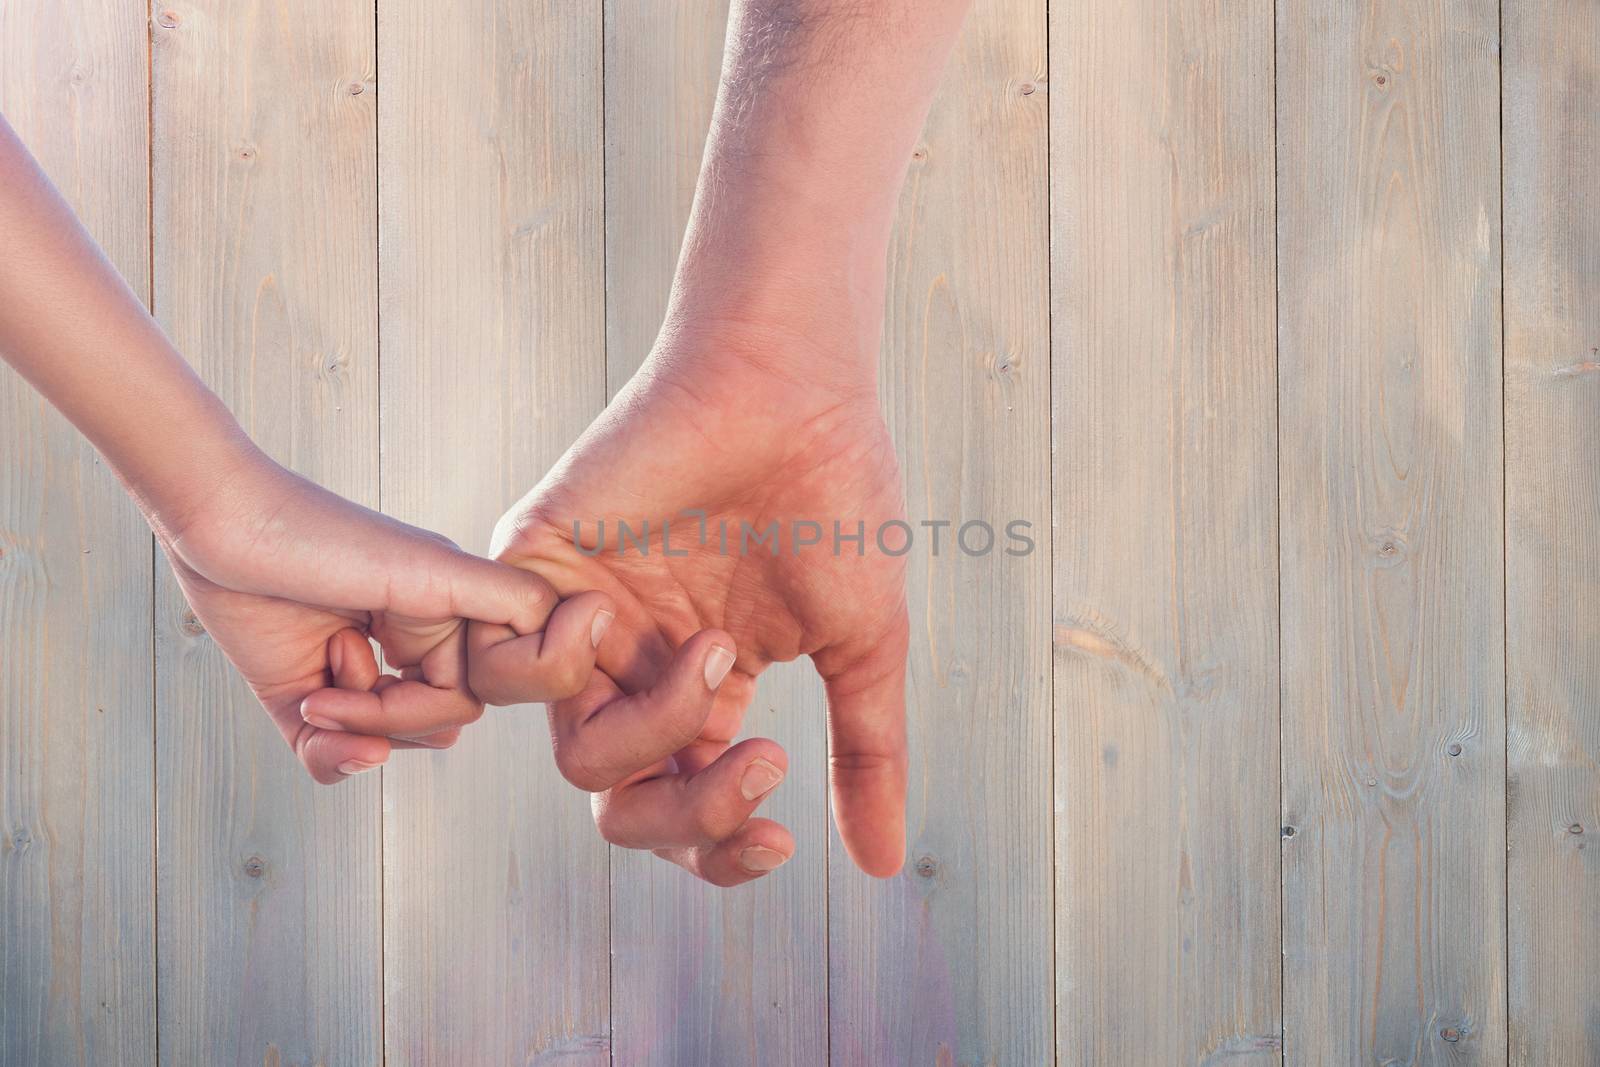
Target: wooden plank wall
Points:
x,y
1165,502
263,164
493,358
1391,532
1552,351
1281,748
77,784
700,975
951,962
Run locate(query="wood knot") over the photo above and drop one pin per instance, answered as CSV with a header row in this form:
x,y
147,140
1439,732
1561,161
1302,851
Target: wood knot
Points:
x,y
1389,546
1027,88
355,88
190,624
926,867
21,838
1450,1034
1288,831
168,19
255,866
1575,828
1455,748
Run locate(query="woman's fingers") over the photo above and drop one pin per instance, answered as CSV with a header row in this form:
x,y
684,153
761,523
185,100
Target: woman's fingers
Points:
x,y
505,668
332,756
404,709
759,847
683,810
351,661
602,737
363,701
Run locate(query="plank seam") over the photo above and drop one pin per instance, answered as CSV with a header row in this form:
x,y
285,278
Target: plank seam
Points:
x,y
155,559
1505,540
1277,531
606,10
1050,392
377,360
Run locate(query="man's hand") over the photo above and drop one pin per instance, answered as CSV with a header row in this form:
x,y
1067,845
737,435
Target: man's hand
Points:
x,y
291,580
758,406
714,425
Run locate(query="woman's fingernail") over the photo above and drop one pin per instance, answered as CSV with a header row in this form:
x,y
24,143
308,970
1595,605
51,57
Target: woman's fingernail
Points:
x,y
355,766
759,779
597,629
760,860
718,663
321,723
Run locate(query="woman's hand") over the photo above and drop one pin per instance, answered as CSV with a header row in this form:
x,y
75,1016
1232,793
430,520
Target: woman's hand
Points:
x,y
291,580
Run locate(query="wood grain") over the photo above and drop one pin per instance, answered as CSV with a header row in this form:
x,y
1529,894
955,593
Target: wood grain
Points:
x,y
1392,567
703,975
265,277
492,336
1167,946
950,962
77,775
1552,353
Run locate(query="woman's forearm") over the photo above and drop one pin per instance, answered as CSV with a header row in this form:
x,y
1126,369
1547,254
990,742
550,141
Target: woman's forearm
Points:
x,y
72,327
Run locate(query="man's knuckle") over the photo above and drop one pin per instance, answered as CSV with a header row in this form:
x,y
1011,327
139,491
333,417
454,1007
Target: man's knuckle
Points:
x,y
713,822
609,826
575,767
862,762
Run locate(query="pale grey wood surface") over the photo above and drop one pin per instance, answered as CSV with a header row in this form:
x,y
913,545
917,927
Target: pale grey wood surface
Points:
x,y
1552,309
1391,535
265,243
701,975
1166,771
493,326
1088,341
950,962
77,777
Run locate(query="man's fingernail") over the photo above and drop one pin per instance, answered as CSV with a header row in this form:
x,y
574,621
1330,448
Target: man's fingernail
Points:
x,y
760,860
597,629
355,766
759,779
718,663
321,723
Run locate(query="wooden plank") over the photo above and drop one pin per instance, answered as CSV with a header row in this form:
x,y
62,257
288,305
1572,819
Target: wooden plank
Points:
x,y
493,324
1392,567
77,775
1163,381
1552,353
265,276
951,961
699,976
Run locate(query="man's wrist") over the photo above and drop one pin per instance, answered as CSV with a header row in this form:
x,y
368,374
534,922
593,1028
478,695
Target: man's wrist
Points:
x,y
795,334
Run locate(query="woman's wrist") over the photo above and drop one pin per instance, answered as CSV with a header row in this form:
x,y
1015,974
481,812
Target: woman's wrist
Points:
x,y
223,469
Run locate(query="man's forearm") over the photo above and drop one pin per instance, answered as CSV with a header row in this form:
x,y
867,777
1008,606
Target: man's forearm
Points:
x,y
72,327
819,111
